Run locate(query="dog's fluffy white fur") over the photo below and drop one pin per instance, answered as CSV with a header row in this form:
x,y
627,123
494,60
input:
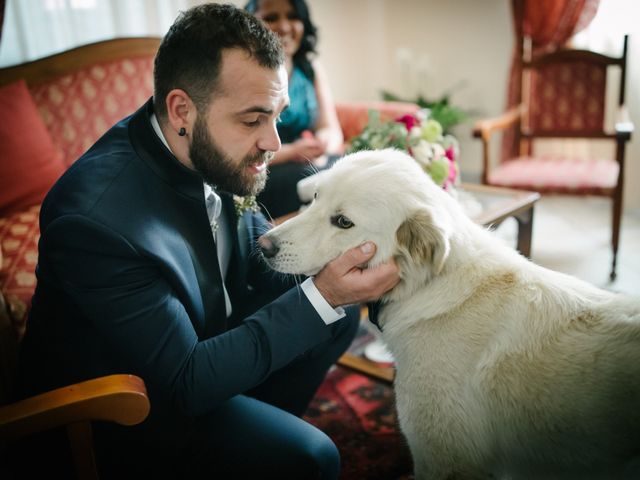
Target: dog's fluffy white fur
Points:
x,y
504,369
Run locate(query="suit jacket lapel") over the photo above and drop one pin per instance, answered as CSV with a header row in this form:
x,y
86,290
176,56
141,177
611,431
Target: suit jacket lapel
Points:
x,y
198,234
236,275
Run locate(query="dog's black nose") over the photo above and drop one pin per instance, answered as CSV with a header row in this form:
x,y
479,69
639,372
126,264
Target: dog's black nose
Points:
x,y
267,247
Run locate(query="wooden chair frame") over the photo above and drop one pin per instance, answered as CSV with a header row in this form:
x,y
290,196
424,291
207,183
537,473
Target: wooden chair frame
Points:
x,y
60,64
116,398
516,117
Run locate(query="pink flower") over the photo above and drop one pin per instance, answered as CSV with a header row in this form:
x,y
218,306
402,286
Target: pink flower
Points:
x,y
450,153
453,171
409,121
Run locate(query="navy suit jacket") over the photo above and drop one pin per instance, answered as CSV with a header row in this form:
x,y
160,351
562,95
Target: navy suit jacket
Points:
x,y
128,282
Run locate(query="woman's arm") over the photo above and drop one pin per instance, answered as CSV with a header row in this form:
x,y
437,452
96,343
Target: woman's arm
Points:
x,y
328,137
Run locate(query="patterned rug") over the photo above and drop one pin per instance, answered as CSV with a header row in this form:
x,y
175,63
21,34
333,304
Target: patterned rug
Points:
x,y
359,415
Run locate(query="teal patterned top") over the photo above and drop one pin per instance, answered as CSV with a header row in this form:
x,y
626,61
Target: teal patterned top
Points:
x,y
303,109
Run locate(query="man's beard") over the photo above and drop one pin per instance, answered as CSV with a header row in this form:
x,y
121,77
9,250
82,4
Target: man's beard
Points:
x,y
219,170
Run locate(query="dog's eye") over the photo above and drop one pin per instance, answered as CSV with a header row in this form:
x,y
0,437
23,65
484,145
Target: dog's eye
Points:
x,y
341,221
315,195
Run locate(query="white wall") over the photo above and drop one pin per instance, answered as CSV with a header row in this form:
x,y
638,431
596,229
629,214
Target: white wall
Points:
x,y
631,190
464,44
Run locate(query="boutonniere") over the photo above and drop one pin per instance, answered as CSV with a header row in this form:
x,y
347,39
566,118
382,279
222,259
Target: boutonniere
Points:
x,y
245,204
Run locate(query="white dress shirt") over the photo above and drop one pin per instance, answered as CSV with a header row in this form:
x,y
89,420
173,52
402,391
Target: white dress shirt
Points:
x,y
222,237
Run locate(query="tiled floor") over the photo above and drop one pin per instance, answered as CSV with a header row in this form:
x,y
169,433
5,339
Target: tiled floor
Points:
x,y
573,235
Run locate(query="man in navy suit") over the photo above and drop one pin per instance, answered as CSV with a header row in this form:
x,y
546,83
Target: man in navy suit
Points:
x,y
147,266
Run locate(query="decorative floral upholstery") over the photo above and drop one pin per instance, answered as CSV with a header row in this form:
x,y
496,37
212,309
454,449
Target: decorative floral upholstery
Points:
x,y
557,174
568,97
78,108
19,234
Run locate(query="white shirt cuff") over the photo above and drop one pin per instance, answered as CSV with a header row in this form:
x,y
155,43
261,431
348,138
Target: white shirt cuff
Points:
x,y
326,311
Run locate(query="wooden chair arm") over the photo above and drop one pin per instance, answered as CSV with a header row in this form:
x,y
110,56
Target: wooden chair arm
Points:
x,y
117,398
484,128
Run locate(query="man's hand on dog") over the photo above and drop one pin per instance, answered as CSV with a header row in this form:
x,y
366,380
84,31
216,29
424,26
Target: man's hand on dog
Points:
x,y
343,281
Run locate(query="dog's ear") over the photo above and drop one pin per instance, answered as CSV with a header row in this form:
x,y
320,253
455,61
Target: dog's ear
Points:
x,y
424,240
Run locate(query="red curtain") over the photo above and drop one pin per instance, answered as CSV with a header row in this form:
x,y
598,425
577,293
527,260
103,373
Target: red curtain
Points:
x,y
549,24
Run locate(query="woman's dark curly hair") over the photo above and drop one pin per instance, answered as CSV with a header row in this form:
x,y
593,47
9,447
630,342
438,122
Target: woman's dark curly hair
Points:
x,y
309,37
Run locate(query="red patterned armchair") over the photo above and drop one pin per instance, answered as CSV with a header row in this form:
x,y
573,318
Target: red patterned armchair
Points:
x,y
563,96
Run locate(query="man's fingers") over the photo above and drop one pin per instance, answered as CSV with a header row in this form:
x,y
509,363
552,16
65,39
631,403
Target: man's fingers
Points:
x,y
342,283
381,279
355,257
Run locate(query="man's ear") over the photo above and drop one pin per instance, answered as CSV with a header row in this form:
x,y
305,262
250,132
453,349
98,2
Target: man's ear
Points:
x,y
423,240
181,111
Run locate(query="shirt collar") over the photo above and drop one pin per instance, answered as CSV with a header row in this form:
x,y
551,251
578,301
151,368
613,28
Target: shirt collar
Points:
x,y
213,200
158,130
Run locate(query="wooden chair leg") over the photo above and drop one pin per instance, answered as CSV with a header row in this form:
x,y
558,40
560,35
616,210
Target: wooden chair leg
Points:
x,y
81,441
525,231
615,231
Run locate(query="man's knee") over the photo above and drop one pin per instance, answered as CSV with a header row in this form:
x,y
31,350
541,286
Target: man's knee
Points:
x,y
318,458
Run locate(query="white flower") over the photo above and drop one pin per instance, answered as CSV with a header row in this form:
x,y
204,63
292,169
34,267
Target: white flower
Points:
x,y
438,151
423,153
245,204
423,114
415,134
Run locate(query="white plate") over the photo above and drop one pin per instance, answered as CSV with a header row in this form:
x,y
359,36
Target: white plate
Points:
x,y
377,351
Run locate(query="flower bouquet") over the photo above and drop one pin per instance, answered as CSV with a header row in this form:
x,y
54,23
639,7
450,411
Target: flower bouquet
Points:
x,y
418,135
440,109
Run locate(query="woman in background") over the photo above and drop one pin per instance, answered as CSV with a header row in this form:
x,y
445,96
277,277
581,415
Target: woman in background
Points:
x,y
309,128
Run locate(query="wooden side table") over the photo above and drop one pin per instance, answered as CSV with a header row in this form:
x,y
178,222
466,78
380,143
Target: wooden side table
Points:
x,y
500,203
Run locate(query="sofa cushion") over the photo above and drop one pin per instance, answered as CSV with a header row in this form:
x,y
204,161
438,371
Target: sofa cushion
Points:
x,y
30,163
557,174
19,234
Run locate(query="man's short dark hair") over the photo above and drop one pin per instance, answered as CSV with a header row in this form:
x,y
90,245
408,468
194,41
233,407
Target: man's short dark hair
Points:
x,y
190,54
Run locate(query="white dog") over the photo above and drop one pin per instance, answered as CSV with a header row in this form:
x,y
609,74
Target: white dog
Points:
x,y
504,369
